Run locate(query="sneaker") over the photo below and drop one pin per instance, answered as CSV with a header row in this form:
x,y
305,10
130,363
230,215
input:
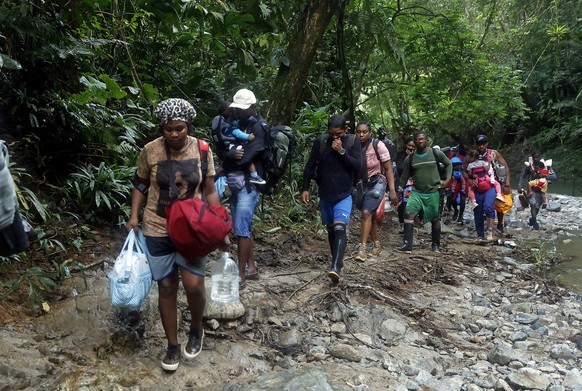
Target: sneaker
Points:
x,y
361,254
194,345
406,247
474,205
377,249
256,179
500,198
435,248
171,361
489,235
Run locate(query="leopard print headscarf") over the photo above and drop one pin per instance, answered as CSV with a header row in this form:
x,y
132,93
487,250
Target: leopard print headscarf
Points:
x,y
174,109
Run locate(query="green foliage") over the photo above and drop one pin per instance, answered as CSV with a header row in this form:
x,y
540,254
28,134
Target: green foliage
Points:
x,y
101,193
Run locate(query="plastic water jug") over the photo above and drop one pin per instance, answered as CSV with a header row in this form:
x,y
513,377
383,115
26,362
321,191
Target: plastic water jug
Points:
x,y
224,281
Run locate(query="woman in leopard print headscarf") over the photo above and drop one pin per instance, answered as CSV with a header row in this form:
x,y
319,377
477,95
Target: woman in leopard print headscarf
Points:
x,y
173,157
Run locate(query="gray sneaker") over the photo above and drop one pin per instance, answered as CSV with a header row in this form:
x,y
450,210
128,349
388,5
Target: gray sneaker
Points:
x,y
171,361
194,345
257,180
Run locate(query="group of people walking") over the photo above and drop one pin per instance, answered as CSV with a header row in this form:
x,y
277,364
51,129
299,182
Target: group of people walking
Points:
x,y
339,162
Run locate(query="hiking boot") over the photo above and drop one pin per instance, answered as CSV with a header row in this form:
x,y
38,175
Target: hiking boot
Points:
x,y
171,361
361,254
194,345
256,179
435,248
377,249
489,234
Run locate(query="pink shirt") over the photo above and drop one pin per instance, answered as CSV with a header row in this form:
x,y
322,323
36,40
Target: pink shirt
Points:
x,y
374,166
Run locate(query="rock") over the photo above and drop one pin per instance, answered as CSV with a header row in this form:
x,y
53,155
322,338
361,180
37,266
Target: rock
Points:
x,y
554,207
573,380
288,380
563,352
502,354
526,318
290,338
519,336
501,385
229,311
392,329
345,352
212,324
527,378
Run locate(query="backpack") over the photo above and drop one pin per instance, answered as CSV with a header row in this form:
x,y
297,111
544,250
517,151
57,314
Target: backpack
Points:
x,y
195,227
280,142
220,140
440,165
482,180
391,148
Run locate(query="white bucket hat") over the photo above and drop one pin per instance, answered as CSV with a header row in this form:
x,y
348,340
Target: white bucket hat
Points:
x,y
243,99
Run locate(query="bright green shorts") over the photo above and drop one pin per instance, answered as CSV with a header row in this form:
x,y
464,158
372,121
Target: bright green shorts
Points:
x,y
428,203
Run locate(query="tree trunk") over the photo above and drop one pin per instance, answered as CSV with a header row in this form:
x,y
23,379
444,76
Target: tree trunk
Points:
x,y
348,96
305,39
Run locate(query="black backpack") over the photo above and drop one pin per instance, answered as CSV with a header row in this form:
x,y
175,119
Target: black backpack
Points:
x,y
391,148
220,141
280,144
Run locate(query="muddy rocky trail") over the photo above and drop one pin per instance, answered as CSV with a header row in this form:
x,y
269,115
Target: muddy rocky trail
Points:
x,y
418,321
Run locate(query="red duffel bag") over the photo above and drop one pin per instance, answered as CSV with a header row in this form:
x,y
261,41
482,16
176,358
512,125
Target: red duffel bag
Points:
x,y
197,228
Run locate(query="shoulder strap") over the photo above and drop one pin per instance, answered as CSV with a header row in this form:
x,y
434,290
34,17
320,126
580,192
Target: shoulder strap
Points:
x,y
410,163
375,145
203,150
436,156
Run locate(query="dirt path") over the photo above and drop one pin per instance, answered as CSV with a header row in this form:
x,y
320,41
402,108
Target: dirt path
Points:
x,y
292,313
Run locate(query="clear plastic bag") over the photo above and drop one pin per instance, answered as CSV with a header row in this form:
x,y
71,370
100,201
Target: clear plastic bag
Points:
x,y
130,280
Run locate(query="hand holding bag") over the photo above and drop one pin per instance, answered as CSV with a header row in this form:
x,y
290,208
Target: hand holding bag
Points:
x,y
130,280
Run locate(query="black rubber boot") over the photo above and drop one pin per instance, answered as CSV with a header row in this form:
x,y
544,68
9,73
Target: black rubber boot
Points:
x,y
436,239
461,212
408,233
330,237
338,250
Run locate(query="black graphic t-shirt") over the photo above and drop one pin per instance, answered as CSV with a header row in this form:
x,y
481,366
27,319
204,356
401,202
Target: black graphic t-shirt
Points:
x,y
155,168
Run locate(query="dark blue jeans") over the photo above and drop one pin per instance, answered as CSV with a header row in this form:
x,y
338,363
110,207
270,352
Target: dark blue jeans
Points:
x,y
485,208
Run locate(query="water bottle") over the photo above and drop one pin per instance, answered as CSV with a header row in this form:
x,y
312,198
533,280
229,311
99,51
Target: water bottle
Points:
x,y
224,280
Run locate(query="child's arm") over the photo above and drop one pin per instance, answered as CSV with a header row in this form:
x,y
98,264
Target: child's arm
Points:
x,y
240,135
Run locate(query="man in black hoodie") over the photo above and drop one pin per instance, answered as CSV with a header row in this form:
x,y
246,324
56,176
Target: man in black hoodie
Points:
x,y
334,162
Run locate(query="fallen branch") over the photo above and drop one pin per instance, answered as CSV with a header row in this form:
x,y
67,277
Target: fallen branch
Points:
x,y
303,286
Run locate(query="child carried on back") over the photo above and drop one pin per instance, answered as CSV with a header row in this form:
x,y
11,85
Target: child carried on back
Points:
x,y
232,137
482,172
